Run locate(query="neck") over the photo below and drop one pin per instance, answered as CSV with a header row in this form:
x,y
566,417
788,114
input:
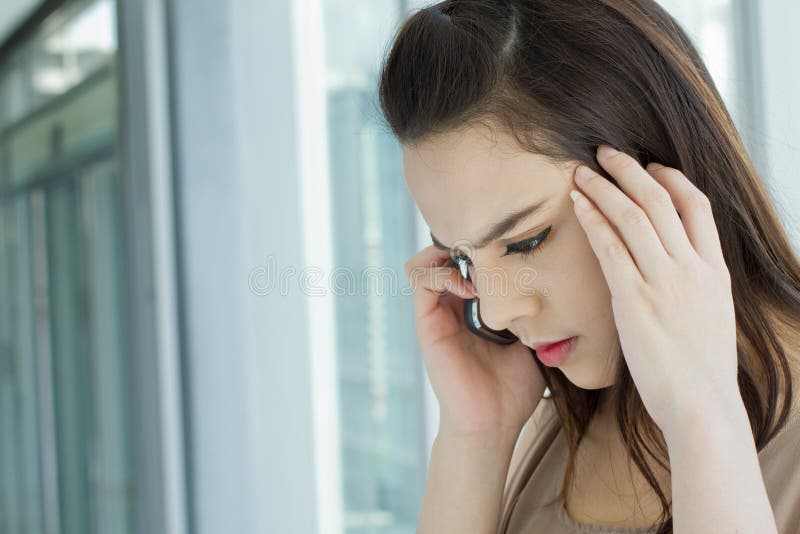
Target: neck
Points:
x,y
605,403
603,424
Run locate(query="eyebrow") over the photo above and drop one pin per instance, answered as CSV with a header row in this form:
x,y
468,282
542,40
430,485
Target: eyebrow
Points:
x,y
500,228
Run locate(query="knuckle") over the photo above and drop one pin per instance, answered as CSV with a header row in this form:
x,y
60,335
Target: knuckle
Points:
x,y
617,250
697,198
697,273
415,273
717,271
634,215
441,277
659,196
623,161
673,173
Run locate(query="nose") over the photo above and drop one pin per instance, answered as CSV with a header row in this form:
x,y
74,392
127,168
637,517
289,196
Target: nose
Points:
x,y
502,302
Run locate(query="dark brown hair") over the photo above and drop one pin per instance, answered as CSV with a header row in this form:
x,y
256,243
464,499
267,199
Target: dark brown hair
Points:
x,y
563,76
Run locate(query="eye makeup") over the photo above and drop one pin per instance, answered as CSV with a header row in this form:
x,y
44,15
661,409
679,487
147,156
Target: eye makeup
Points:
x,y
528,246
524,248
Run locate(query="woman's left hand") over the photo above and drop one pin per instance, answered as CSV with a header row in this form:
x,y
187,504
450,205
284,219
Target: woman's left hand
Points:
x,y
670,288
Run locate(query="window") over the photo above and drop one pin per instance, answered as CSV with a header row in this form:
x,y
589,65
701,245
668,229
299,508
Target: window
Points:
x,y
64,413
380,381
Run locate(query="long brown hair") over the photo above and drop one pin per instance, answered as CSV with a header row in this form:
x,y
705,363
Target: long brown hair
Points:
x,y
563,76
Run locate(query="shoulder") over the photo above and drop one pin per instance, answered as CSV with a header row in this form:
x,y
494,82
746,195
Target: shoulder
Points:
x,y
780,467
541,417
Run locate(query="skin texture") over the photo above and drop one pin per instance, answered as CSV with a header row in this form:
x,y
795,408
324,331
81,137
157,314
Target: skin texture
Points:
x,y
464,181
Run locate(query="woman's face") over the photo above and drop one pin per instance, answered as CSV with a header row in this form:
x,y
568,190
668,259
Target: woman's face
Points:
x,y
464,183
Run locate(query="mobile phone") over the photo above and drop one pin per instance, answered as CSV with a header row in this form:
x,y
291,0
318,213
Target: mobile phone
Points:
x,y
472,313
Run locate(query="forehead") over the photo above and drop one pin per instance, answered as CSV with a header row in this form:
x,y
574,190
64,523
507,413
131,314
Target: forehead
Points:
x,y
464,181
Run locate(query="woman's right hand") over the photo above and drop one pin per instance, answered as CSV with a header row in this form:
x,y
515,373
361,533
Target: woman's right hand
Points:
x,y
481,386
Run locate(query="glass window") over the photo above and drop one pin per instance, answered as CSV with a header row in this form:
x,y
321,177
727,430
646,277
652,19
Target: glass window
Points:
x,y
14,96
65,463
85,120
20,471
59,86
88,352
380,380
711,26
73,43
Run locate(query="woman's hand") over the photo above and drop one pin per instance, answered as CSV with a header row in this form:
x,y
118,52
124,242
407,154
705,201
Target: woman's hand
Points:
x,y
670,288
481,386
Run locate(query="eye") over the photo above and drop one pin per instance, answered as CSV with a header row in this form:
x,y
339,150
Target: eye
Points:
x,y
529,246
524,248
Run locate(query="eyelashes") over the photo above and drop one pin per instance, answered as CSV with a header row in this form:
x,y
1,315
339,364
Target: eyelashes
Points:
x,y
529,246
524,248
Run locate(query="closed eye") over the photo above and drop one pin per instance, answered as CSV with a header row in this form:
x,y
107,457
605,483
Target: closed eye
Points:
x,y
528,246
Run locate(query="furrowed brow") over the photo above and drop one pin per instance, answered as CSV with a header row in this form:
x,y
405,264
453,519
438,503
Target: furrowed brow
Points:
x,y
499,229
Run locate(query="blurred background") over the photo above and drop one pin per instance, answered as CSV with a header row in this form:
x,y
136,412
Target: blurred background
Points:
x,y
203,228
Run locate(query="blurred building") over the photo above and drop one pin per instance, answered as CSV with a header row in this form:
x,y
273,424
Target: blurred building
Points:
x,y
173,177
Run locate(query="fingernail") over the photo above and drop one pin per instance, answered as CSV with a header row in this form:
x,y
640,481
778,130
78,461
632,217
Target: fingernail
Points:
x,y
579,200
584,173
606,151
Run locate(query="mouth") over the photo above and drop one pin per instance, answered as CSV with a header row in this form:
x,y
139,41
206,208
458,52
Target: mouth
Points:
x,y
544,345
555,354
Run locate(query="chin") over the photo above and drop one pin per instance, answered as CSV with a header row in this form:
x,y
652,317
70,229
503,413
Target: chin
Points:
x,y
597,372
588,378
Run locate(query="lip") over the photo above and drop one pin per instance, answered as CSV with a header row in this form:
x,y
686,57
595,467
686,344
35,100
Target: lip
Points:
x,y
545,345
555,354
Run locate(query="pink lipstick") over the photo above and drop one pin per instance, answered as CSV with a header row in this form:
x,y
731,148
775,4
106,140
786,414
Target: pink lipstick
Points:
x,y
555,354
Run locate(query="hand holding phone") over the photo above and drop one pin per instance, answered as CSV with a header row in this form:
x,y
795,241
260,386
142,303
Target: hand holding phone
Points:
x,y
472,315
484,380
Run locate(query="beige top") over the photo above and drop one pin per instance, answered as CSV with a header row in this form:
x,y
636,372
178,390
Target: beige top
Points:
x,y
540,473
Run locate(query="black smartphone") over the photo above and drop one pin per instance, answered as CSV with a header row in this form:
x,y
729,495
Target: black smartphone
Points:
x,y
472,313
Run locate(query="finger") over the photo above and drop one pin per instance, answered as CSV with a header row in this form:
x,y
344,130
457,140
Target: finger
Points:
x,y
697,218
431,284
620,270
429,256
432,256
630,220
430,280
655,200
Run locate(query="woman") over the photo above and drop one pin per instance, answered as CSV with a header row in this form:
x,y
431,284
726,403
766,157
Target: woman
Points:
x,y
671,402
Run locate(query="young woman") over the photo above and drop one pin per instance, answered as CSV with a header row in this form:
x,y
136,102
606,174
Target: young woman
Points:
x,y
670,277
